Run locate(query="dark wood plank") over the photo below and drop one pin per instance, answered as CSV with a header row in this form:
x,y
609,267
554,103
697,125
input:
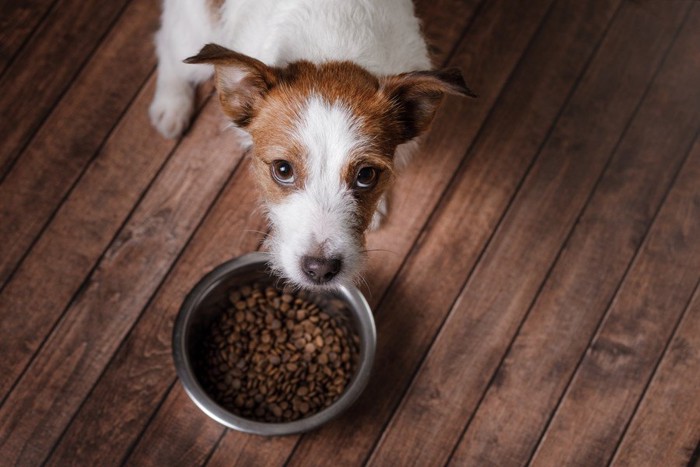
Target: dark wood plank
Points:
x,y
509,421
34,82
136,401
193,446
18,19
612,376
507,277
665,429
78,234
252,450
420,188
443,23
75,354
145,356
487,57
194,443
496,165
73,132
76,237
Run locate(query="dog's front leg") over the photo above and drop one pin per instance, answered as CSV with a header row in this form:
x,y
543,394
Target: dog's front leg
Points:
x,y
186,26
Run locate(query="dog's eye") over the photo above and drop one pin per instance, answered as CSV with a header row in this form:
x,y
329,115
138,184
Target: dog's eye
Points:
x,y
366,178
282,172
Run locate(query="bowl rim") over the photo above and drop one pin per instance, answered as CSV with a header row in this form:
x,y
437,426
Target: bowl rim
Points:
x,y
209,406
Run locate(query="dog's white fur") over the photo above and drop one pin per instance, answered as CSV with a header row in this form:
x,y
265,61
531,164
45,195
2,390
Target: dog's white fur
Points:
x,y
383,36
321,215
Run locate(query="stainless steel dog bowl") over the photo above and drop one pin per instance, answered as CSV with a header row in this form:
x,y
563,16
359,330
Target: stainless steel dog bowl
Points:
x,y
205,302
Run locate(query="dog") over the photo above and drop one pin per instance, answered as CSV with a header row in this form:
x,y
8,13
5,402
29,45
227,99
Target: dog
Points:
x,y
333,95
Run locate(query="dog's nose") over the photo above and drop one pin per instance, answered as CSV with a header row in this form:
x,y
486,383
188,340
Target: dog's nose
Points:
x,y
320,270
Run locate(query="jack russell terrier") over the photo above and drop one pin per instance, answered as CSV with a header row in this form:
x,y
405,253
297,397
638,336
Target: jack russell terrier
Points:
x,y
333,95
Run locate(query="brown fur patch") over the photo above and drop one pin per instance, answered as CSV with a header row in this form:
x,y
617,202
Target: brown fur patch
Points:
x,y
335,82
418,94
241,81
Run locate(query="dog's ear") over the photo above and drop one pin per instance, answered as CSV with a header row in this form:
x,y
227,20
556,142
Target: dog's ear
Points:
x,y
240,80
417,95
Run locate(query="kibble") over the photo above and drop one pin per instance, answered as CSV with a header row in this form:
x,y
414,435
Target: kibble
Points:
x,y
275,356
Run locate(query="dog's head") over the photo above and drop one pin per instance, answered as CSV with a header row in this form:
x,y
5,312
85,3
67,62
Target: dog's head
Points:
x,y
324,138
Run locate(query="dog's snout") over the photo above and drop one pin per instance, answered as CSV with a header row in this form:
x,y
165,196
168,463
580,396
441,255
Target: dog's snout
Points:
x,y
320,270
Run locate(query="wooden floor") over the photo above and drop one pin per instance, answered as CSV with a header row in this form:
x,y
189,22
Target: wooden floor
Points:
x,y
538,302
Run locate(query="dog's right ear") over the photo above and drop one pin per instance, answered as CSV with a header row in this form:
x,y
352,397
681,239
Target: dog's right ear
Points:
x,y
240,80
417,94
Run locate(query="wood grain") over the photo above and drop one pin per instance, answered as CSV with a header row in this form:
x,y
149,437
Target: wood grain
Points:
x,y
37,78
18,19
195,433
144,358
237,450
77,236
612,376
443,23
74,131
665,429
487,58
510,419
508,275
73,357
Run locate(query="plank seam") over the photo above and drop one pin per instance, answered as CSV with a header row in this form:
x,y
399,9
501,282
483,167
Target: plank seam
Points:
x,y
460,39
632,261
135,442
29,37
568,237
84,283
685,312
694,456
158,287
166,276
5,171
214,448
85,168
614,295
547,277
503,216
448,190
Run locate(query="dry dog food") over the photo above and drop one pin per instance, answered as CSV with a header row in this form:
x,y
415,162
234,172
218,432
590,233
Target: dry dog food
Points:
x,y
276,357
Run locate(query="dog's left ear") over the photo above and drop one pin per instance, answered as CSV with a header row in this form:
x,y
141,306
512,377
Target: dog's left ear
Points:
x,y
240,80
417,96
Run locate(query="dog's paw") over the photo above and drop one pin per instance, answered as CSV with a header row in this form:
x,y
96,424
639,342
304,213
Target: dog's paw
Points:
x,y
380,214
171,112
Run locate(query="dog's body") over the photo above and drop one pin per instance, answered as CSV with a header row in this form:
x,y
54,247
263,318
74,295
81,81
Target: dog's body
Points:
x,y
331,94
381,36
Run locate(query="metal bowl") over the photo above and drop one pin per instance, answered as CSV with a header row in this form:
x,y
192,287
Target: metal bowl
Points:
x,y
206,301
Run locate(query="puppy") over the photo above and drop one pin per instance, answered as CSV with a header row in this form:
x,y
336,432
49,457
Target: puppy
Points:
x,y
333,95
